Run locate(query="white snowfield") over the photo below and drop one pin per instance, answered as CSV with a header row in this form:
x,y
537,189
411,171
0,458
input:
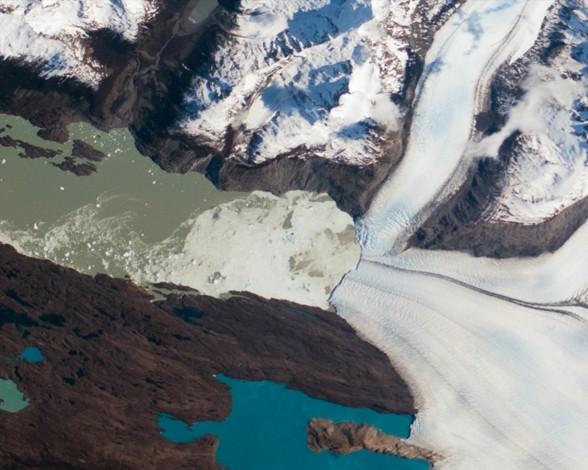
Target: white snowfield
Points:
x,y
304,77
496,351
49,34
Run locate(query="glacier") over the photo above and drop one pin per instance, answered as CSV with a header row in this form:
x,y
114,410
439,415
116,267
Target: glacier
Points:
x,y
495,353
466,52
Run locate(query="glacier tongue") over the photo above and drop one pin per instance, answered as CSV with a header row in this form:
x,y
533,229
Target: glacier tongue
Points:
x,y
490,371
466,52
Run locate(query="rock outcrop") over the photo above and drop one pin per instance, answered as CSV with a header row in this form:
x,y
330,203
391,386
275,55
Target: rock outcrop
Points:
x,y
344,438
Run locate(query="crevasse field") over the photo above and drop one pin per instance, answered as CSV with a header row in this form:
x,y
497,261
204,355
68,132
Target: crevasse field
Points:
x,y
496,351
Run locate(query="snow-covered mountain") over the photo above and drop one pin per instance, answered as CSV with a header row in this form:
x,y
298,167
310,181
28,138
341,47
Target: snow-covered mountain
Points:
x,y
522,187
308,77
52,35
547,104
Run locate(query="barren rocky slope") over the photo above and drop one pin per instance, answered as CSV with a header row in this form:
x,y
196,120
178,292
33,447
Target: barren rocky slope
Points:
x,y
345,438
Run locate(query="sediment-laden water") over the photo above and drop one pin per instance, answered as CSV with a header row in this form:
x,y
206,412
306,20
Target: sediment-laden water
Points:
x,y
133,218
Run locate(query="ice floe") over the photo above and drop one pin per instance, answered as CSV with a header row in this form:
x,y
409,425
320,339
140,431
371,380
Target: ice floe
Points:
x,y
295,247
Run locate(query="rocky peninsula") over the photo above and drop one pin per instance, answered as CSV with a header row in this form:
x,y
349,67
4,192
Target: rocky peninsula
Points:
x,y
345,438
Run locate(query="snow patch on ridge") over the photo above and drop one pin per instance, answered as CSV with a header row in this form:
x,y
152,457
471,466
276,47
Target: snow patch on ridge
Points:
x,y
51,34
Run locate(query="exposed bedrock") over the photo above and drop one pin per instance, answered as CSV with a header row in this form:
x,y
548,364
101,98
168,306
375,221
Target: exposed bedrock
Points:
x,y
86,151
27,150
115,358
52,102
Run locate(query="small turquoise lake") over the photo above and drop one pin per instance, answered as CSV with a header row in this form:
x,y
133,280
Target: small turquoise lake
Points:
x,y
12,399
266,429
32,355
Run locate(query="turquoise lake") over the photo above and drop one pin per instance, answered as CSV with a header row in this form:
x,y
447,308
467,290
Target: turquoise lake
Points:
x,y
32,355
266,429
12,399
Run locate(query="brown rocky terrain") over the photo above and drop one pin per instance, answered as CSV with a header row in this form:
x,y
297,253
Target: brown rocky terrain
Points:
x,y
115,357
345,438
27,150
79,169
81,150
84,150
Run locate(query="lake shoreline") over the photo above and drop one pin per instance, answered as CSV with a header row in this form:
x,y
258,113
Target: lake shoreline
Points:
x,y
160,358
